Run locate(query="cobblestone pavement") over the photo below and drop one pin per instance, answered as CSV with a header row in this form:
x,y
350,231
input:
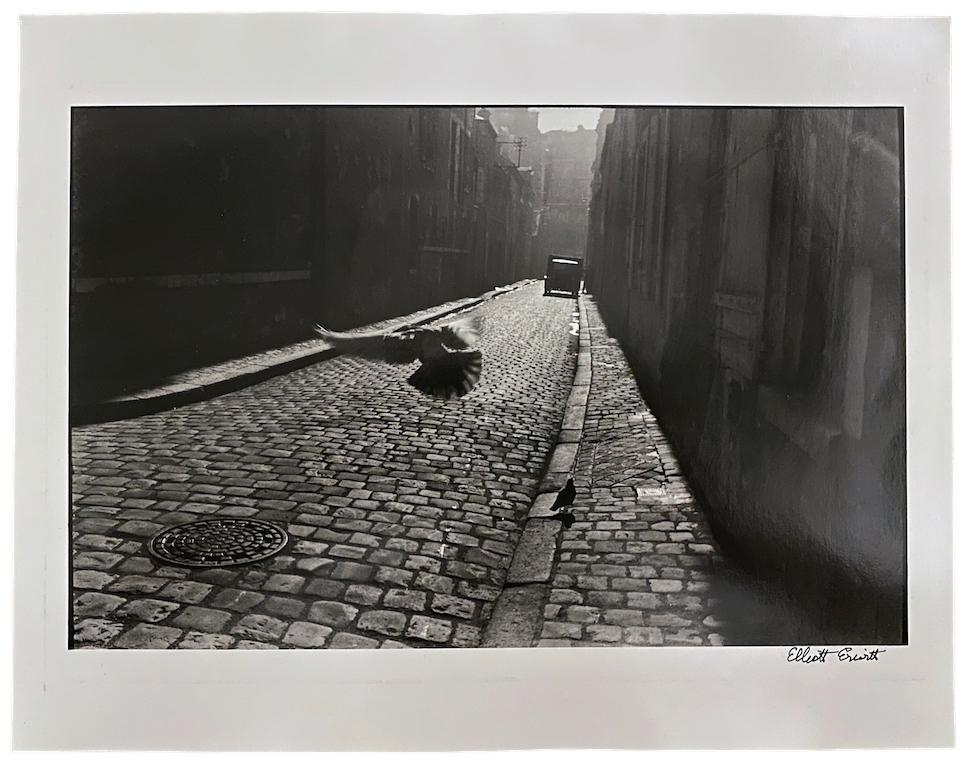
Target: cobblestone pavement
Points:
x,y
638,565
402,511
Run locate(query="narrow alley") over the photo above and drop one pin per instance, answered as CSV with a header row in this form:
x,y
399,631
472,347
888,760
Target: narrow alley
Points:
x,y
730,407
402,513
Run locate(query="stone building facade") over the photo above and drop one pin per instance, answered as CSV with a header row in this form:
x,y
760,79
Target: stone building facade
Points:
x,y
565,176
200,233
751,263
561,163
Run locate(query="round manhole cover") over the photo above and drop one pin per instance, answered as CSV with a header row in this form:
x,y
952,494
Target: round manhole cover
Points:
x,y
210,543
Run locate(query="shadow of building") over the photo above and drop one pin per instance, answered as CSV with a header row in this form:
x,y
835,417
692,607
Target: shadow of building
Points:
x,y
750,261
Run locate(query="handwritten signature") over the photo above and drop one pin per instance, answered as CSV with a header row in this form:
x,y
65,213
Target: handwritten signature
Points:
x,y
804,654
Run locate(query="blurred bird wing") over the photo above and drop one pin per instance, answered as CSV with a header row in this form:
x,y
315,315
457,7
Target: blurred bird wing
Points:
x,y
461,334
450,375
387,347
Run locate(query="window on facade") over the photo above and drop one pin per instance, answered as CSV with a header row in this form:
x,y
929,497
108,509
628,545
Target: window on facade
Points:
x,y
479,173
416,236
795,324
640,207
455,159
659,164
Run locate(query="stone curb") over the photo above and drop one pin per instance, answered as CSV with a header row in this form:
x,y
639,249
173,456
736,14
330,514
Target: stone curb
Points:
x,y
518,611
181,395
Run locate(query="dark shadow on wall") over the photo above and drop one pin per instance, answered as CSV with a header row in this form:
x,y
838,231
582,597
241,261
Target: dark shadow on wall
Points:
x,y
199,234
750,262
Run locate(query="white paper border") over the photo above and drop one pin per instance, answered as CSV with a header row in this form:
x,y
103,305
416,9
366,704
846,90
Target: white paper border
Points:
x,y
441,699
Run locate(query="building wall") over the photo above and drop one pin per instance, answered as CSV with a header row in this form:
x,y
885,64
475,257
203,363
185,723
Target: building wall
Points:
x,y
502,204
192,230
201,233
595,227
561,164
512,123
565,170
750,262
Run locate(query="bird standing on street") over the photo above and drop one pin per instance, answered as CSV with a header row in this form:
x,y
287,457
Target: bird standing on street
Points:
x,y
451,367
566,496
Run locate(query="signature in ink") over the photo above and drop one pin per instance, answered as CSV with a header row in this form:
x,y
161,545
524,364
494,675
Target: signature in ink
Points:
x,y
804,654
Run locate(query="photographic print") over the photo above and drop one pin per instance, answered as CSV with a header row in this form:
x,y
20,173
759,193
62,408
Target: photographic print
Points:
x,y
414,382
457,376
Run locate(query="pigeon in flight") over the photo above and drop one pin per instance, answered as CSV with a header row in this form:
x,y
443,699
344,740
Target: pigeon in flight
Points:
x,y
451,367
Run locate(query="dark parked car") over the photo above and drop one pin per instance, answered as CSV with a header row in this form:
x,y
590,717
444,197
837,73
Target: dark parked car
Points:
x,y
563,275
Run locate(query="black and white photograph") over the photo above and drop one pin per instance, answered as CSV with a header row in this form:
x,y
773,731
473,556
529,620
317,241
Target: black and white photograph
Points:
x,y
468,376
446,382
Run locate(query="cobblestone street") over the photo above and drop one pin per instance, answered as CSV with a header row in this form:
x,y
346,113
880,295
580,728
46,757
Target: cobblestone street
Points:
x,y
402,512
640,566
635,567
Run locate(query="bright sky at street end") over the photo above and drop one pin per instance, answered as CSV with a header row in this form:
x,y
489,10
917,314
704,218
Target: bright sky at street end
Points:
x,y
566,118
